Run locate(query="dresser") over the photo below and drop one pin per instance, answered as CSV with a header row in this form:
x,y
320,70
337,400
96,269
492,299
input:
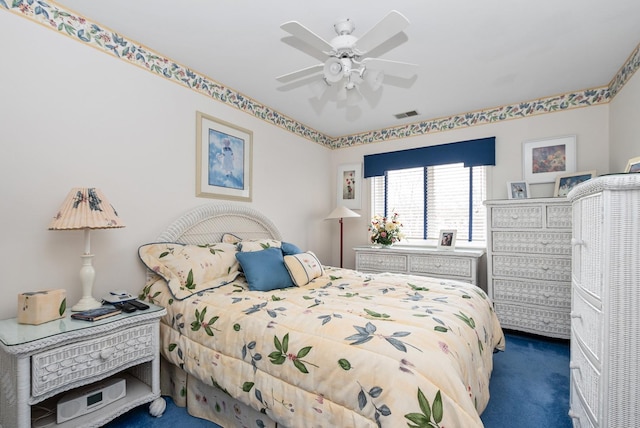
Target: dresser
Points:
x,y
605,321
40,364
460,264
529,264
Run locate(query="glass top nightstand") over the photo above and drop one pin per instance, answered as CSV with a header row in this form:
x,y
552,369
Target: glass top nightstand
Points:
x,y
12,333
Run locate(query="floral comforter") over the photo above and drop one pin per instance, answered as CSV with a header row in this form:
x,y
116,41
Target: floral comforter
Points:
x,y
347,350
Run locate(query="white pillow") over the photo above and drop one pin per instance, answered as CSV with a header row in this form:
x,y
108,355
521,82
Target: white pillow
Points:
x,y
303,267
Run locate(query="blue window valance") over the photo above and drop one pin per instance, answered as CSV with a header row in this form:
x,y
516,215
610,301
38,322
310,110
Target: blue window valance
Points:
x,y
472,153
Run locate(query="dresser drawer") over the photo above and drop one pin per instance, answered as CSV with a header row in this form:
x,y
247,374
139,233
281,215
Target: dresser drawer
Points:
x,y
533,319
551,295
585,378
559,217
446,266
578,411
541,268
527,217
382,262
533,242
587,322
91,359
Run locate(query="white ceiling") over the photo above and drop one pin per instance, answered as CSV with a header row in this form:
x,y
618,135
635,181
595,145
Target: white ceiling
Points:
x,y
472,54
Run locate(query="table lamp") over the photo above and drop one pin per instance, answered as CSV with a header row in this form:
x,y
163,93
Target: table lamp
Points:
x,y
86,209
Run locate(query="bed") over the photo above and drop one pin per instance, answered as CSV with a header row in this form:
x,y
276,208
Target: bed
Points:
x,y
336,348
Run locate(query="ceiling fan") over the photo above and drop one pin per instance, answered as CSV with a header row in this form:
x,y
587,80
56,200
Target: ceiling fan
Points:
x,y
347,65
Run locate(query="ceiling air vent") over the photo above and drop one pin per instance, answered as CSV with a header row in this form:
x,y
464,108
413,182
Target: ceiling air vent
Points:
x,y
406,114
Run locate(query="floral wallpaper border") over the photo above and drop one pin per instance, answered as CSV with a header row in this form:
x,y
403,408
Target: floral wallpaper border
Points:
x,y
63,21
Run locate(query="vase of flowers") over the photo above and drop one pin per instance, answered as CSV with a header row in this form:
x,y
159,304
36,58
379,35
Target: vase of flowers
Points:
x,y
386,231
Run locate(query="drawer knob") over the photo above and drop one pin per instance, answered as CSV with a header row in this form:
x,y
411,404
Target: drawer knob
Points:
x,y
576,367
514,216
576,241
105,354
544,242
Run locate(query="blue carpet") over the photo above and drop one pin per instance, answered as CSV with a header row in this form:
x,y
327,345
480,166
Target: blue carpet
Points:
x,y
529,388
529,385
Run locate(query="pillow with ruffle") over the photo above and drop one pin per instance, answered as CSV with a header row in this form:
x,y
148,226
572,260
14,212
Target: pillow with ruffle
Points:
x,y
190,269
230,238
258,245
303,267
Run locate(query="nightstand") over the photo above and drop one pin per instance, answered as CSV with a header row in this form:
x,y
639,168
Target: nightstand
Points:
x,y
39,364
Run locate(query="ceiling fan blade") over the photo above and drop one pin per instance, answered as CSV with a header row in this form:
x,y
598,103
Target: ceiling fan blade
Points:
x,y
392,68
309,37
393,23
300,73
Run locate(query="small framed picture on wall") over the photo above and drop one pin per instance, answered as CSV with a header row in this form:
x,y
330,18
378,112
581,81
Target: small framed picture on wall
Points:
x,y
350,186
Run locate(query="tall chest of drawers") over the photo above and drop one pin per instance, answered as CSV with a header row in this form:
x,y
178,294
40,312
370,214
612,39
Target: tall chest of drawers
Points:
x,y
605,325
529,264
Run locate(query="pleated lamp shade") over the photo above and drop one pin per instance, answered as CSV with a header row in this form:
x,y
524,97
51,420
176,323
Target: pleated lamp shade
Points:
x,y
86,208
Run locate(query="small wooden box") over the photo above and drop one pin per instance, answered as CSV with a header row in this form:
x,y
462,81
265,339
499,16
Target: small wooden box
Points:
x,y
38,307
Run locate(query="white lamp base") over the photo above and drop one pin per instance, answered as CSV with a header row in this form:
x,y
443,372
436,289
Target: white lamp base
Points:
x,y
87,276
86,303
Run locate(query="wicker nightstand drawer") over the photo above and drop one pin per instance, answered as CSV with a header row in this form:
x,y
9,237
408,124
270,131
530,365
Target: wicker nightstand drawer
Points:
x,y
537,293
527,217
382,262
532,242
448,266
90,359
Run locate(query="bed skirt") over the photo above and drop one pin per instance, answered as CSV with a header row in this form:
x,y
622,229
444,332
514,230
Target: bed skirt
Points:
x,y
208,402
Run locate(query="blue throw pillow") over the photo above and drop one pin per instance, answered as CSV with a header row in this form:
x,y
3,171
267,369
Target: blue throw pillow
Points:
x,y
290,249
265,269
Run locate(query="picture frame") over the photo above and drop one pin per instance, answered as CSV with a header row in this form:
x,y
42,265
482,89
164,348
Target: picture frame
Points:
x,y
447,239
349,189
518,190
633,165
566,182
543,160
223,159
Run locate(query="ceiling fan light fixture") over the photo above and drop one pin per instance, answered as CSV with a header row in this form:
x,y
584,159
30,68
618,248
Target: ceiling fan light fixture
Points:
x,y
333,70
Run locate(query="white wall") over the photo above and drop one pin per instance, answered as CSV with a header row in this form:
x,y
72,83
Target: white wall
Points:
x,y
590,125
72,116
625,124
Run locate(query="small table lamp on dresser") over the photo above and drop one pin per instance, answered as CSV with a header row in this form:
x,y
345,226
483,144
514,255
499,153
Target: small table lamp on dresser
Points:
x,y
86,209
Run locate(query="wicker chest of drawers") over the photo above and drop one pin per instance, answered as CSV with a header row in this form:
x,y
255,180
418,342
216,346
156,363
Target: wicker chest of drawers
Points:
x,y
462,264
529,264
605,327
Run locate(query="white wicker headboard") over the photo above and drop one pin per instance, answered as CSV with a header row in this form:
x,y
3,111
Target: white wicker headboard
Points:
x,y
207,223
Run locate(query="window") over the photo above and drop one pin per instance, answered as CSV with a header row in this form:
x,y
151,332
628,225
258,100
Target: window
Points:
x,y
432,198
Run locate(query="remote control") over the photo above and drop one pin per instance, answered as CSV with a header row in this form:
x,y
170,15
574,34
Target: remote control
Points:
x,y
125,306
138,304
